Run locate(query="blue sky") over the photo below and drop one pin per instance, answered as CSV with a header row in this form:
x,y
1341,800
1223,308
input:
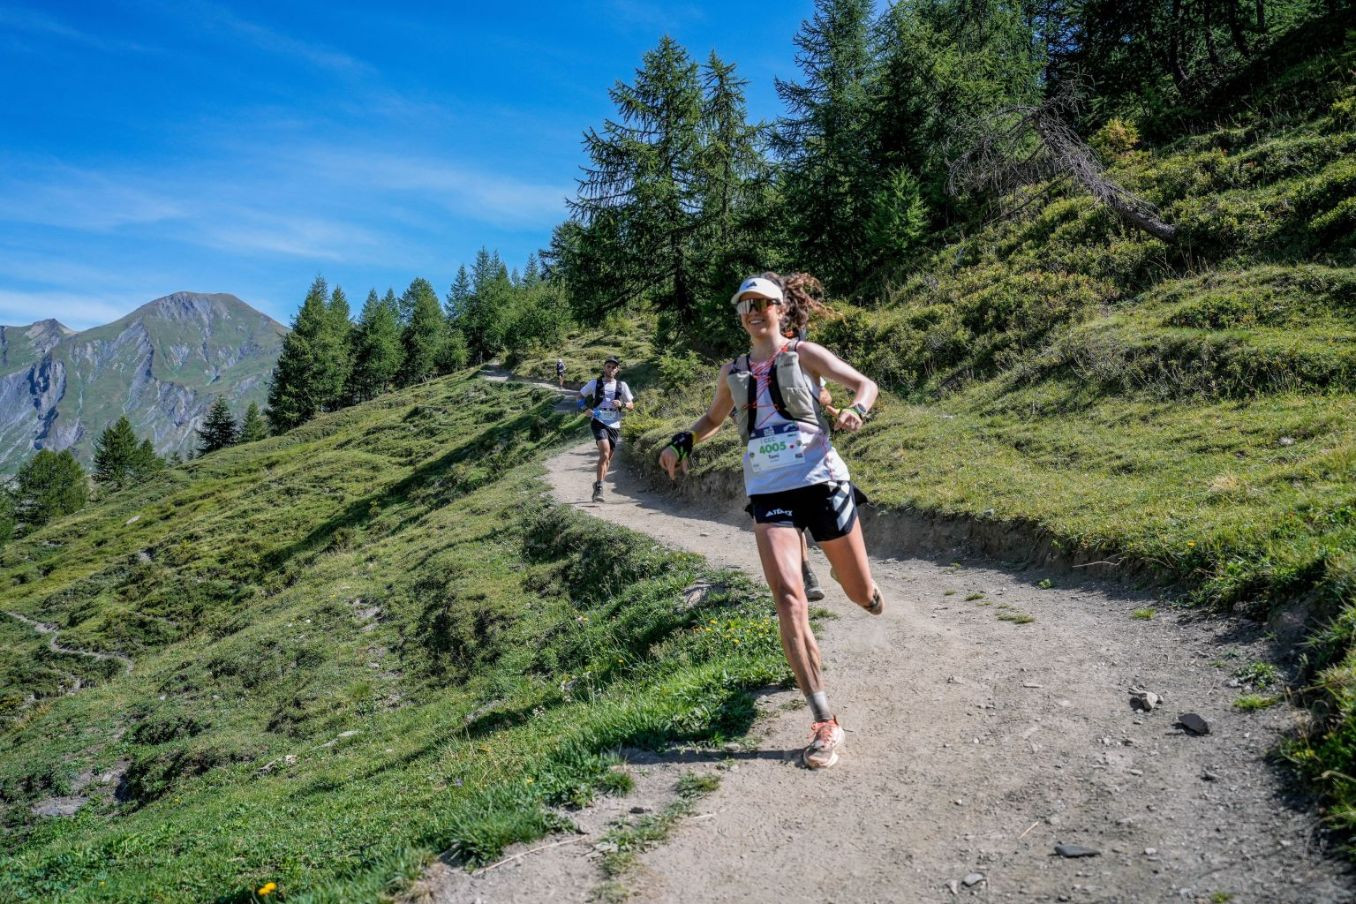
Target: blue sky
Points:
x,y
150,146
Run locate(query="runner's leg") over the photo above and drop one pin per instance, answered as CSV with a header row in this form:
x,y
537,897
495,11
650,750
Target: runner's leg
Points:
x,y
604,457
779,550
851,568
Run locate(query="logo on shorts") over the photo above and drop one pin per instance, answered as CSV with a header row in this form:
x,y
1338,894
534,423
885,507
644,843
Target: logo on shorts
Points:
x,y
770,512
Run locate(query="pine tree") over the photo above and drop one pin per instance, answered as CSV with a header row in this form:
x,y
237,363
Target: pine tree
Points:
x,y
531,272
424,335
115,455
638,203
218,429
825,142
377,349
7,521
309,375
47,486
146,461
458,297
338,349
253,428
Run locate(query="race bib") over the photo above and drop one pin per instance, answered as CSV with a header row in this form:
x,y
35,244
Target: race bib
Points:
x,y
774,448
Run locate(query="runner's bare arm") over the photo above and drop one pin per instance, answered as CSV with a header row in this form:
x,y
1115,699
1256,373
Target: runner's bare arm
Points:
x,y
703,427
821,362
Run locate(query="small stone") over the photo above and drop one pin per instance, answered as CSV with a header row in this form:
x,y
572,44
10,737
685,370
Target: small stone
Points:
x,y
972,879
640,809
1149,852
1192,724
1208,776
1075,850
1144,701
953,886
1286,441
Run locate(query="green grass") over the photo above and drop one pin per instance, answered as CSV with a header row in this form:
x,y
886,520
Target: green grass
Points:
x,y
356,646
1185,410
1253,702
1144,614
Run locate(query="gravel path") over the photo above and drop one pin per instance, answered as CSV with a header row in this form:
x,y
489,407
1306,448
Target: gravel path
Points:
x,y
977,741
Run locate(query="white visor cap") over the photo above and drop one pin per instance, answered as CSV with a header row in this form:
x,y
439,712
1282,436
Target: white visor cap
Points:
x,y
756,285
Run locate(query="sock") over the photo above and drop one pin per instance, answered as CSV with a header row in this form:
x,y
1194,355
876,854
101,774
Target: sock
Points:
x,y
819,706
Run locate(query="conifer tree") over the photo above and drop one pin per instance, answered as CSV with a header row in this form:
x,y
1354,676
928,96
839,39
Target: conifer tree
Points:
x,y
253,428
338,349
531,272
424,334
638,203
7,524
146,461
47,486
825,141
218,429
116,455
309,375
458,297
377,349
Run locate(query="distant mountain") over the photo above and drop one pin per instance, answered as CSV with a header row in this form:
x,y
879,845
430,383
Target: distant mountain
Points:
x,y
162,365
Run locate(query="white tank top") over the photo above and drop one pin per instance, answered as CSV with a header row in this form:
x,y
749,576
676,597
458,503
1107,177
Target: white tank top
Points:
x,y
813,459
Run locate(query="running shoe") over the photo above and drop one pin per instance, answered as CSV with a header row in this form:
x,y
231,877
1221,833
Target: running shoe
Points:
x,y
827,740
598,491
813,592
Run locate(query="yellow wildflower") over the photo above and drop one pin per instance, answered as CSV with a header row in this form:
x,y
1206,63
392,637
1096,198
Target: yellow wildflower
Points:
x,y
267,889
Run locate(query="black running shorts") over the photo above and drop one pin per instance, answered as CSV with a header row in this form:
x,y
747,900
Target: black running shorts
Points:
x,y
602,432
828,510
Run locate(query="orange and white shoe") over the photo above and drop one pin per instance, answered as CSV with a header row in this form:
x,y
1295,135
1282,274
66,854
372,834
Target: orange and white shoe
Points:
x,y
827,740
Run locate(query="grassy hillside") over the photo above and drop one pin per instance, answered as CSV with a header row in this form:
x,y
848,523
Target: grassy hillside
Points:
x,y
354,646
1186,408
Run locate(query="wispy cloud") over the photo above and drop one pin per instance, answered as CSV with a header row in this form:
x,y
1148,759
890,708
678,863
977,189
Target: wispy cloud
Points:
x,y
59,195
76,310
272,40
31,22
665,17
487,197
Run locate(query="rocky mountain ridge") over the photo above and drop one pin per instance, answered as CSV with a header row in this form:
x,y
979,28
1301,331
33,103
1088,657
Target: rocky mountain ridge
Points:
x,y
161,365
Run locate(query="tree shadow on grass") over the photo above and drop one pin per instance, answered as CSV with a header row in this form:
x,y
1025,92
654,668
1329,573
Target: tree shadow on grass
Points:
x,y
490,444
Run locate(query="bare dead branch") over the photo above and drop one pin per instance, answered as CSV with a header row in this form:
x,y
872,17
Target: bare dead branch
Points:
x,y
1023,145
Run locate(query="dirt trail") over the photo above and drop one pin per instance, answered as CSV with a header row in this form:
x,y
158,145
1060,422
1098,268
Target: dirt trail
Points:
x,y
56,647
975,744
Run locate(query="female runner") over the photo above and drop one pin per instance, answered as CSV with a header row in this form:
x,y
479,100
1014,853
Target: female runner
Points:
x,y
794,477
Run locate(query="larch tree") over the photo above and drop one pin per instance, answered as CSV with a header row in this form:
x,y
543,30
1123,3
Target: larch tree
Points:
x,y
639,203
253,427
377,350
48,486
424,335
116,455
218,429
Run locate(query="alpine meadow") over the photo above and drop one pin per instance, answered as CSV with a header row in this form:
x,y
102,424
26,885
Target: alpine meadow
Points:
x,y
1099,257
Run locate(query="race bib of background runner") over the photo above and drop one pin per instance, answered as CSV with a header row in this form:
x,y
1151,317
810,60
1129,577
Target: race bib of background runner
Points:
x,y
774,448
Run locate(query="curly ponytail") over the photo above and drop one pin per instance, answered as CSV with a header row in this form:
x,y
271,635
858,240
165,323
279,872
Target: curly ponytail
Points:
x,y
803,299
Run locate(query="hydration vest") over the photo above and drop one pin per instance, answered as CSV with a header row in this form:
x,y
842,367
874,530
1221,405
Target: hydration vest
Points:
x,y
599,393
793,395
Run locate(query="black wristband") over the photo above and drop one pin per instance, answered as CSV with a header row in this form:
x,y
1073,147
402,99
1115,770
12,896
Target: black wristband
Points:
x,y
682,444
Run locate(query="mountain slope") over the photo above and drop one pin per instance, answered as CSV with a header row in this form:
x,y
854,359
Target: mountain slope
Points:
x,y
162,365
